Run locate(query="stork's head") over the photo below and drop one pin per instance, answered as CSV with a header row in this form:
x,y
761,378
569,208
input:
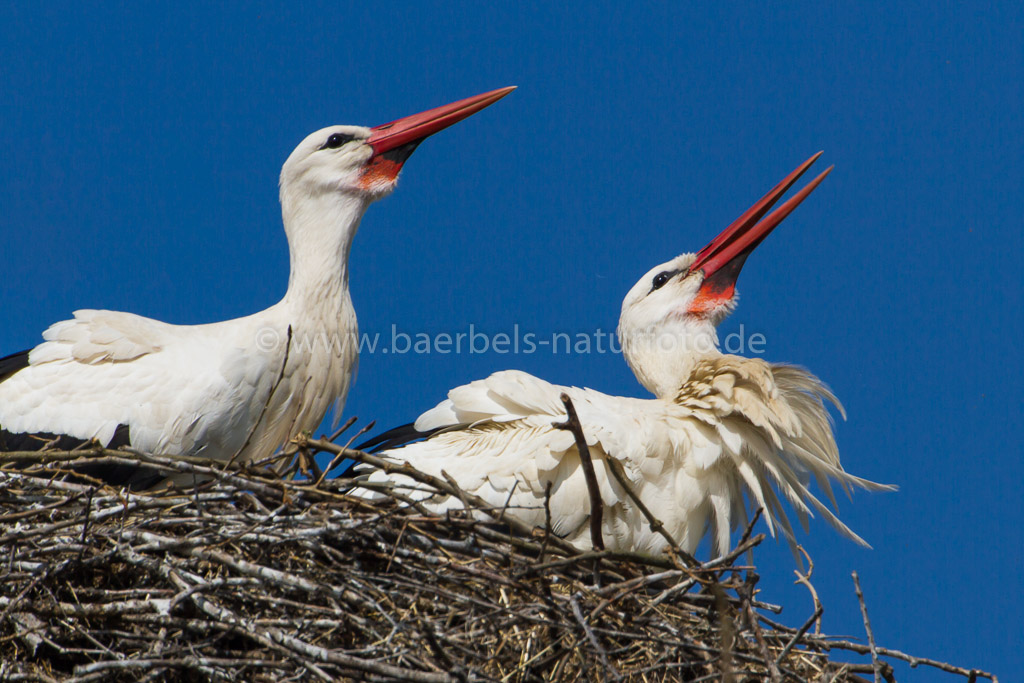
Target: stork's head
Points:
x,y
669,317
365,162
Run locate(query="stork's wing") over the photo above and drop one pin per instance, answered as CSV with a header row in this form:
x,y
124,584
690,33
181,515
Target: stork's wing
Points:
x,y
502,397
737,426
497,439
100,336
106,370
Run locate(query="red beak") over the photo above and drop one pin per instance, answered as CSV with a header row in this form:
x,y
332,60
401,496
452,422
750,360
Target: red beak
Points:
x,y
418,126
394,142
722,259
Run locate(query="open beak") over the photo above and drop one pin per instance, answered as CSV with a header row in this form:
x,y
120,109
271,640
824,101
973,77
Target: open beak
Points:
x,y
394,142
723,258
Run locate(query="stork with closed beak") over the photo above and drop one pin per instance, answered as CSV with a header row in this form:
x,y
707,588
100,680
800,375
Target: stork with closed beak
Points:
x,y
236,389
720,425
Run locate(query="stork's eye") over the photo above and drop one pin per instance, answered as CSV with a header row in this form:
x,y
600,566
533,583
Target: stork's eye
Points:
x,y
660,279
337,140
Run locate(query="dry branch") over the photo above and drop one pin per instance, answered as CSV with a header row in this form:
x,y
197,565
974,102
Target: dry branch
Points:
x,y
572,424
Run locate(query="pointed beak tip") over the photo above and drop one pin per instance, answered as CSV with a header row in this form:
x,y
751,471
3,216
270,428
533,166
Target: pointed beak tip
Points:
x,y
735,243
417,127
488,98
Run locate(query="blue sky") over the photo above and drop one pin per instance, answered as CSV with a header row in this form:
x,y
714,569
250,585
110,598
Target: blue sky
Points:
x,y
142,147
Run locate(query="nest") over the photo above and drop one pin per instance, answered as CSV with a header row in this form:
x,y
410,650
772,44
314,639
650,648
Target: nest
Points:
x,y
251,576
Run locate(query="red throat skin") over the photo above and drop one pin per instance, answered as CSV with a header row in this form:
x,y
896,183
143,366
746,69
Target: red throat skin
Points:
x,y
708,300
379,174
719,288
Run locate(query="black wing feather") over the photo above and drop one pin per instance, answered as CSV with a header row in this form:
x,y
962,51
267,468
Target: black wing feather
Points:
x,y
12,363
395,437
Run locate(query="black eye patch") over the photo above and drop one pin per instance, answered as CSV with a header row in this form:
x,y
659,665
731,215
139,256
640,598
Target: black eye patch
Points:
x,y
337,140
662,278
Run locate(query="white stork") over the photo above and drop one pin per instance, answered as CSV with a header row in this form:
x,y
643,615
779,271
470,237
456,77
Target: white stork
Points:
x,y
236,389
720,425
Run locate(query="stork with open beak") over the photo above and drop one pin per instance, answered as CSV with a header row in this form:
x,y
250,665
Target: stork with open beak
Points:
x,y
236,389
720,425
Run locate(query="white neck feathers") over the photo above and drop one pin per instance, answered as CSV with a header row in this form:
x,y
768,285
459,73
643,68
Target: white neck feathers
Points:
x,y
320,226
664,356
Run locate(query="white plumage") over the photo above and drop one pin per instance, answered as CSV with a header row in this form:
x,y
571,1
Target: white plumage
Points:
x,y
240,388
720,425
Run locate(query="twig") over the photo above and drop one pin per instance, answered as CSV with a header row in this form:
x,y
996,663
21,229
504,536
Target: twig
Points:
x,y
867,627
750,526
726,633
362,430
574,602
547,520
831,644
747,596
343,428
724,561
572,424
805,579
340,457
656,524
818,609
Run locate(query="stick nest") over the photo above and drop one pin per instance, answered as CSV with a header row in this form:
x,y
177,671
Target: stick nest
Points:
x,y
250,576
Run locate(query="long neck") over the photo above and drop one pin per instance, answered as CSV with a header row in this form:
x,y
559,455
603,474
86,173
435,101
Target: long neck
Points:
x,y
320,228
664,357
